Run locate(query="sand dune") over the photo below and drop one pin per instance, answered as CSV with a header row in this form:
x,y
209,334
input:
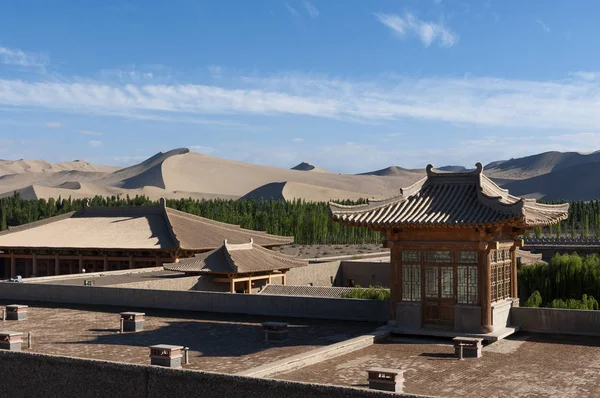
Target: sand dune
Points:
x,y
394,171
537,165
572,183
304,166
181,174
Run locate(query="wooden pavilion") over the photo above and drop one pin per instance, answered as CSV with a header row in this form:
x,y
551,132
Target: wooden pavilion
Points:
x,y
453,238
246,267
98,239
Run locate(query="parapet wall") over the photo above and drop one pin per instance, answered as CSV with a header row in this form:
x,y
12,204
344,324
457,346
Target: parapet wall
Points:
x,y
285,306
554,320
37,375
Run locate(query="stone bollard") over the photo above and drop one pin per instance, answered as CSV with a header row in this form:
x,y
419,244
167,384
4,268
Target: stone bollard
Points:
x,y
132,321
11,341
275,331
3,314
16,312
121,326
386,379
166,355
467,347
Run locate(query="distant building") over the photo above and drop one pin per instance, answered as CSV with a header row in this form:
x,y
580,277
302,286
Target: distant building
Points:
x,y
246,267
98,239
453,238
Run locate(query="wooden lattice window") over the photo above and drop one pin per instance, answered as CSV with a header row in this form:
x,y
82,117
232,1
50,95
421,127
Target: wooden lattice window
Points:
x,y
431,282
411,282
468,257
411,257
438,256
468,284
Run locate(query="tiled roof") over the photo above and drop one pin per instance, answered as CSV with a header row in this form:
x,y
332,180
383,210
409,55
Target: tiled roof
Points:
x,y
236,259
305,291
131,228
450,199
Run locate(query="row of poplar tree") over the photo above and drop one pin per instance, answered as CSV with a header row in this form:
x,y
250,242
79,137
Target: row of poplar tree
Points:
x,y
584,220
308,222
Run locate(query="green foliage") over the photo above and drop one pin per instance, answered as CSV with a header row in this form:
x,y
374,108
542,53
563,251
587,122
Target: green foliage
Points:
x,y
535,300
586,303
567,276
370,293
308,222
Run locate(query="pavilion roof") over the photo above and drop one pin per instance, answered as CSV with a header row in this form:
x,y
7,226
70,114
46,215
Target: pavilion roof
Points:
x,y
132,228
450,199
236,259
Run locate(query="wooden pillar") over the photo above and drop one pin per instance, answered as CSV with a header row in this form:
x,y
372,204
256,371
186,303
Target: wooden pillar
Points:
x,y
485,285
283,279
13,265
249,286
80,263
270,279
395,294
131,262
514,283
34,271
56,265
105,263
231,285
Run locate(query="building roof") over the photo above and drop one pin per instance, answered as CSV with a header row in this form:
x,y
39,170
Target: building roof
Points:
x,y
131,228
450,199
236,259
306,291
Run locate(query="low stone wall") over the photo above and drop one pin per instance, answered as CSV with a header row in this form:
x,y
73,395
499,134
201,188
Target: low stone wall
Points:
x,y
255,304
36,375
553,320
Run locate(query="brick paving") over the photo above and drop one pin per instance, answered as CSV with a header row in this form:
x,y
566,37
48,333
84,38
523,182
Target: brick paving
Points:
x,y
521,366
225,343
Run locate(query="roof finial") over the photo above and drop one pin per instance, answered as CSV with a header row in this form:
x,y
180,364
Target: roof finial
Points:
x,y
478,168
162,202
429,169
85,203
251,241
225,242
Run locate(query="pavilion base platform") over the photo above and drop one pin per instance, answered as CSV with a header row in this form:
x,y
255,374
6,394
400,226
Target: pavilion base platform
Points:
x,y
498,334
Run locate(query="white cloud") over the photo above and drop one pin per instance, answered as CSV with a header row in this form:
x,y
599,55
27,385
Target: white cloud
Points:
x,y
206,150
127,74
88,132
564,104
427,32
95,144
311,9
589,76
52,124
215,71
292,10
20,58
543,25
298,140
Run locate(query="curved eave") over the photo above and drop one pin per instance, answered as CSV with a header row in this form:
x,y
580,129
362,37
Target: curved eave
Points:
x,y
385,226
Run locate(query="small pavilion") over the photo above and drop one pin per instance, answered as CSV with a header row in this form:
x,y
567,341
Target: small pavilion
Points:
x,y
246,267
453,238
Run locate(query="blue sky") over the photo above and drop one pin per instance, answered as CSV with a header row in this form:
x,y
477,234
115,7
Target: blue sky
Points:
x,y
348,85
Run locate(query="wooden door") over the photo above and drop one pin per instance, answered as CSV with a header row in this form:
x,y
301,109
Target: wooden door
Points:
x,y
438,296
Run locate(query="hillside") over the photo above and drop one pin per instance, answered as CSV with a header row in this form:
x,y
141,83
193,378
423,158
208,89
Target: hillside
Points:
x,y
537,165
181,173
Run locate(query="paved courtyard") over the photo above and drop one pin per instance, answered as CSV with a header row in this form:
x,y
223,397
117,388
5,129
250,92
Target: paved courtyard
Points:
x,y
521,366
225,343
